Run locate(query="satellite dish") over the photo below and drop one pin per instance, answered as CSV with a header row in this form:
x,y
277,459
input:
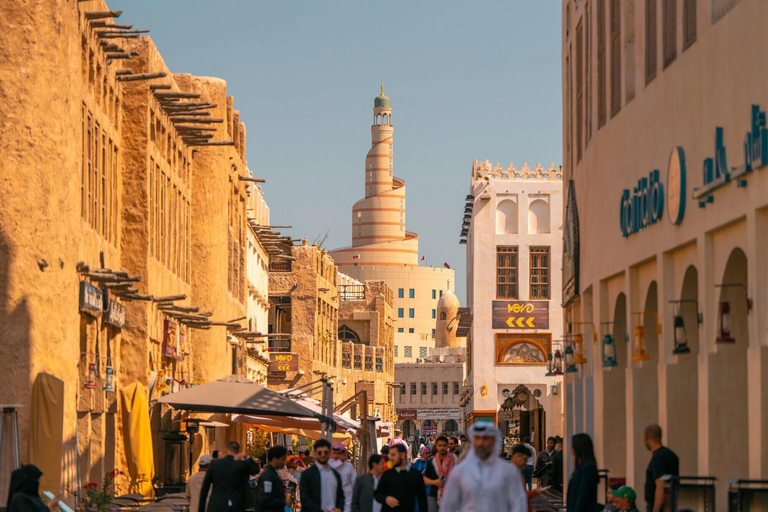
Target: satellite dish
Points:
x,y
537,393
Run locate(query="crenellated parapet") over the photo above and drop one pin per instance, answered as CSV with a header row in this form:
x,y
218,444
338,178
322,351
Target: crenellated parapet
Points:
x,y
485,170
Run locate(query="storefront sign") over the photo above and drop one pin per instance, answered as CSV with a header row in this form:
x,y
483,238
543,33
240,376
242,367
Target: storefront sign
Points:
x,y
91,299
115,313
430,430
406,414
571,247
642,206
513,314
283,362
437,414
171,340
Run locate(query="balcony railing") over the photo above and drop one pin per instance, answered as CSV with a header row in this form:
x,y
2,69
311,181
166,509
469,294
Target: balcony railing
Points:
x,y
280,266
279,343
352,292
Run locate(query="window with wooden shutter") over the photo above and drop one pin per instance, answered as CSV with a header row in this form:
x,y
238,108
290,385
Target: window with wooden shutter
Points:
x,y
669,26
650,40
579,91
506,272
601,63
615,57
689,23
588,72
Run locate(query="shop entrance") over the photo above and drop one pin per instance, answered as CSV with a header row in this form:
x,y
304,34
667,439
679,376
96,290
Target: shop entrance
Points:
x,y
520,416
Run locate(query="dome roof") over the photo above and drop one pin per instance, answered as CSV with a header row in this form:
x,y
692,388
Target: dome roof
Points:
x,y
448,301
381,101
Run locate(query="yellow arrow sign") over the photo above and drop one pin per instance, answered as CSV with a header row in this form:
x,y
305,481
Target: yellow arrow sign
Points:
x,y
521,322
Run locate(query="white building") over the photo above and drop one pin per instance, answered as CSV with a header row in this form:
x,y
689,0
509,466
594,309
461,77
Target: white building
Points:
x,y
664,114
431,390
257,267
513,228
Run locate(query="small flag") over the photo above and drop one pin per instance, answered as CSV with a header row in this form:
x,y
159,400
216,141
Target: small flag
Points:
x,y
446,265
424,257
355,256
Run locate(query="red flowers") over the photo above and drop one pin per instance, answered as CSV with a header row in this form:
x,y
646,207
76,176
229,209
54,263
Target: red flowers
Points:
x,y
114,473
91,485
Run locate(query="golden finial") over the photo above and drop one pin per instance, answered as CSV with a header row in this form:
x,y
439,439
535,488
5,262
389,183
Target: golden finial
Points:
x,y
382,88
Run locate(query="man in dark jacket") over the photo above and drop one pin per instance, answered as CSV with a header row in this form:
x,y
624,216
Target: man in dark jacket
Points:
x,y
401,487
271,490
365,485
229,477
320,484
556,469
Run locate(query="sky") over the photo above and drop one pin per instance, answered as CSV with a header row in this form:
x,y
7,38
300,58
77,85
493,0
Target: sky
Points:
x,y
467,80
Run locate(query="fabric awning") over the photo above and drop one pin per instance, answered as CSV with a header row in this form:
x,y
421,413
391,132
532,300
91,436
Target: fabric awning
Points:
x,y
138,438
236,395
344,422
46,429
292,426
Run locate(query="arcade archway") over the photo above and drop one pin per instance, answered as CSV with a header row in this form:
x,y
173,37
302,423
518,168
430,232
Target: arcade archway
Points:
x,y
521,415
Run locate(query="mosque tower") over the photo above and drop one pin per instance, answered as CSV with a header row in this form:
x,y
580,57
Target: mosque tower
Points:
x,y
383,250
447,321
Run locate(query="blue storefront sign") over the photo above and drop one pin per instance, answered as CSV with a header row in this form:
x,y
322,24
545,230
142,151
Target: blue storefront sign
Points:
x,y
642,206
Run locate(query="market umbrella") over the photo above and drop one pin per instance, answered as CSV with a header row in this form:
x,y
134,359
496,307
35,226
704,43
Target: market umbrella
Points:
x,y
237,395
138,438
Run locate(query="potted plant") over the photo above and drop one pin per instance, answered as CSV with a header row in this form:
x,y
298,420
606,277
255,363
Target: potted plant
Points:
x,y
95,500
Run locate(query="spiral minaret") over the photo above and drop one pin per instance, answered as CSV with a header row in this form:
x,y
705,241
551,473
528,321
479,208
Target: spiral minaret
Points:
x,y
378,220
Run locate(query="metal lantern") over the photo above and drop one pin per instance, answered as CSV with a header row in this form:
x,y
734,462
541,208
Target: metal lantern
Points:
x,y
725,324
609,352
550,364
640,354
569,366
555,390
110,375
558,363
681,338
91,383
579,358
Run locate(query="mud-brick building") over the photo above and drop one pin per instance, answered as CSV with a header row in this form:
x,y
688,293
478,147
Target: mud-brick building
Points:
x,y
123,191
334,325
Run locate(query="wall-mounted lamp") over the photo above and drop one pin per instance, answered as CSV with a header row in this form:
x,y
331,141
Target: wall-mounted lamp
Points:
x,y
590,324
110,375
484,390
724,319
578,342
681,336
610,359
640,353
555,390
91,382
570,367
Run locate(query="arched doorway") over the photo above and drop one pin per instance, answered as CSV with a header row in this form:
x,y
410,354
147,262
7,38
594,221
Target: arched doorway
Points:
x,y
683,381
451,427
645,383
614,403
728,431
409,429
521,415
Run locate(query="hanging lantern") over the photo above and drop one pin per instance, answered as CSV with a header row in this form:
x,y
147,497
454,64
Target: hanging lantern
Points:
x,y
162,385
550,364
609,352
569,366
555,390
558,363
91,382
579,359
110,372
725,324
681,338
640,354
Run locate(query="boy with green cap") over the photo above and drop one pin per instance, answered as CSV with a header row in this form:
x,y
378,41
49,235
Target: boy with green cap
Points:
x,y
624,499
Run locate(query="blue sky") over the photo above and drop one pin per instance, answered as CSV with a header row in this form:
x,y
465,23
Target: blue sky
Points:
x,y
467,79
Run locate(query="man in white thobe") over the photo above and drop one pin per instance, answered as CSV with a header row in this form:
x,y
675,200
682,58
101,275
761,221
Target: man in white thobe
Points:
x,y
483,481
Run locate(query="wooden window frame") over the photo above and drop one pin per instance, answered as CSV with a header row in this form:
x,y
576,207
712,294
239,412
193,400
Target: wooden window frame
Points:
x,y
514,285
616,49
536,252
602,110
579,91
669,31
651,40
690,23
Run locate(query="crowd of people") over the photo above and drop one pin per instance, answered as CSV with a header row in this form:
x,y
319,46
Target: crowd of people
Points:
x,y
446,474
